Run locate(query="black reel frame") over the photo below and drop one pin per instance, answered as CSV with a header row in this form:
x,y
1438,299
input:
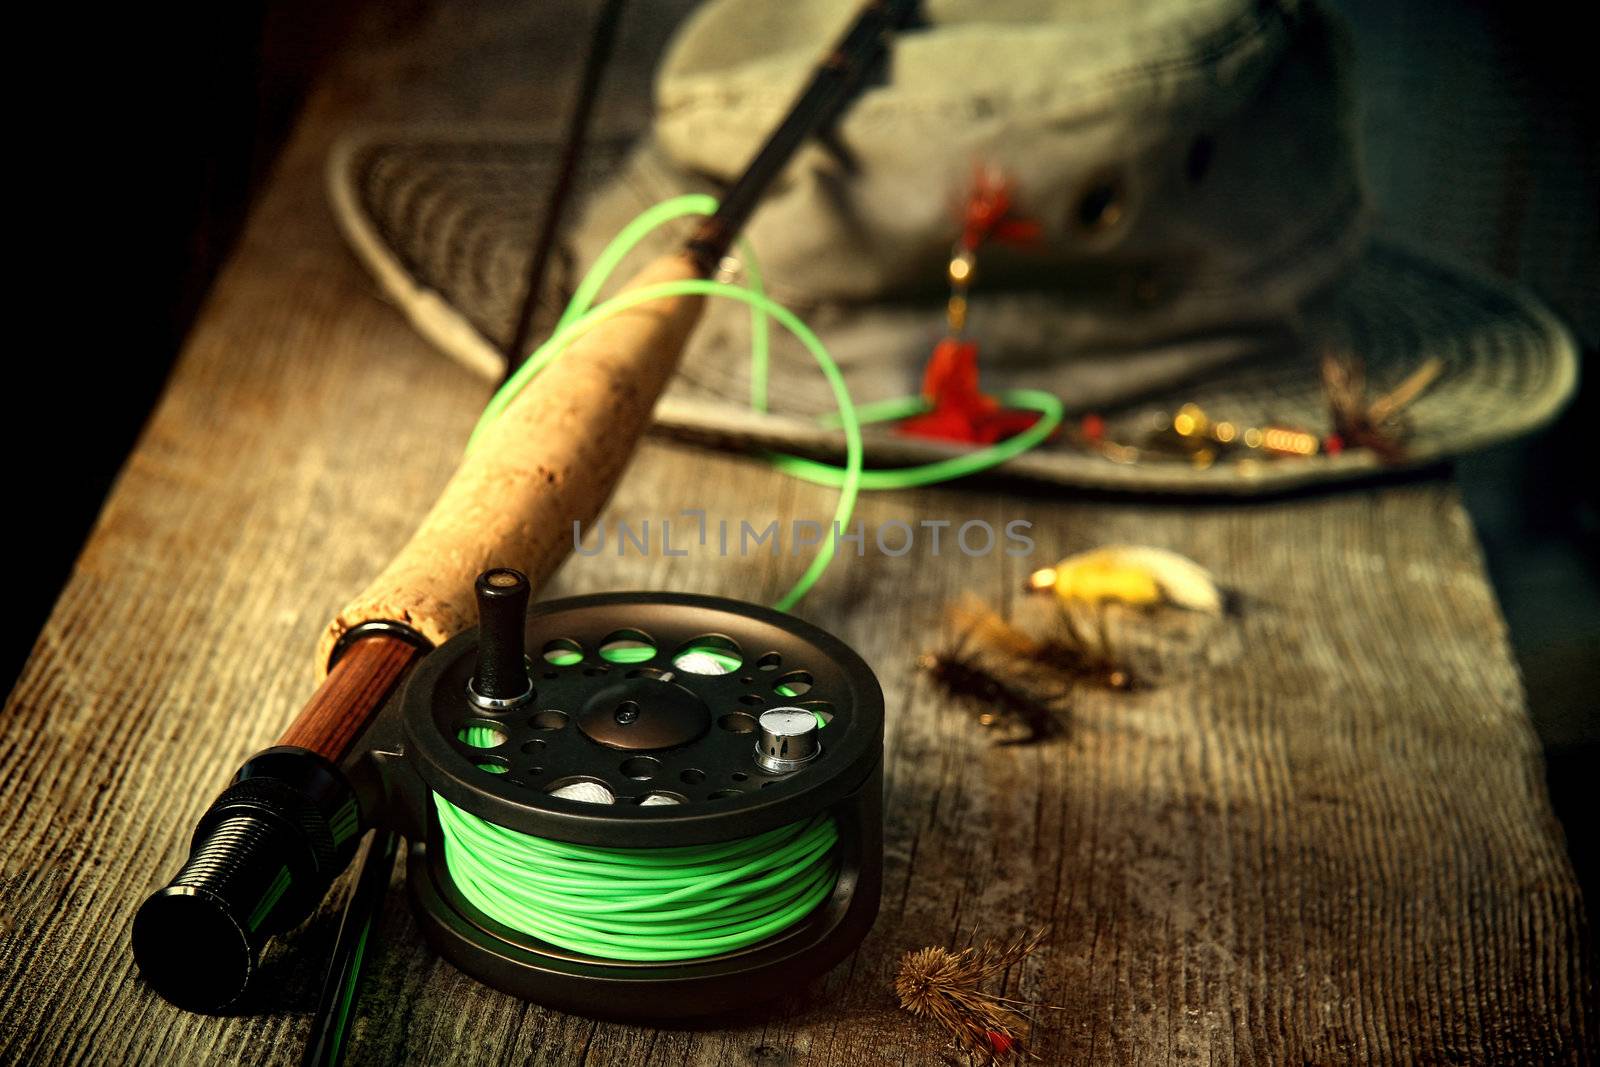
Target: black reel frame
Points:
x,y
583,722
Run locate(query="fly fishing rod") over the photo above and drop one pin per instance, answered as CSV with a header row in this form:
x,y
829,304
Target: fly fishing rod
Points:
x,y
631,805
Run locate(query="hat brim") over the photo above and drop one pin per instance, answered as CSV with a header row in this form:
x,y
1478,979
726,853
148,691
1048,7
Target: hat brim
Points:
x,y
445,220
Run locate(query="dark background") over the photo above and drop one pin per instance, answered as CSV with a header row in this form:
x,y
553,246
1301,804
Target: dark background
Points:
x,y
151,139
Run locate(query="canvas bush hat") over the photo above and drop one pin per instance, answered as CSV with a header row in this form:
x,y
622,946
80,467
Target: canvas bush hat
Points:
x,y
1190,165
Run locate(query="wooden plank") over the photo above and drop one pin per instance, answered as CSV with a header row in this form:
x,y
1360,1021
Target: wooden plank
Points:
x,y
1322,838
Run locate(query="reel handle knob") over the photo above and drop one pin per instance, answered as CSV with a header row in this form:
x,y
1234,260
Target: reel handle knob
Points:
x,y
500,680
788,739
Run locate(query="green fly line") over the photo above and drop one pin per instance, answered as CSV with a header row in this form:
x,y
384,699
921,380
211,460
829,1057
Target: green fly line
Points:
x,y
690,902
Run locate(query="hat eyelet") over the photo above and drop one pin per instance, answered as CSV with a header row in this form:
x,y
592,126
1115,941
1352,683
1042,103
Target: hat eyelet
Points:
x,y
1101,205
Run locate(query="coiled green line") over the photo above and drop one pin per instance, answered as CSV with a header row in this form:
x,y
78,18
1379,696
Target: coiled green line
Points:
x,y
676,903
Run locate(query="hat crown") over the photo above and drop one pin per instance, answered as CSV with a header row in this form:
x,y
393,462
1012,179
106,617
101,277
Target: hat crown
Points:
x,y
1179,157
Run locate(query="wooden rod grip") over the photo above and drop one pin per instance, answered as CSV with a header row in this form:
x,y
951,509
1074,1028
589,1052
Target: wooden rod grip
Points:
x,y
552,458
350,697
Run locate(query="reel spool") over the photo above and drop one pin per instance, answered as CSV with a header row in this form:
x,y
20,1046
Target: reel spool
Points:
x,y
706,720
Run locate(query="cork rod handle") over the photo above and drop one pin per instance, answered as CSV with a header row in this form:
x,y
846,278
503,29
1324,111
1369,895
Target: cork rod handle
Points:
x,y
552,458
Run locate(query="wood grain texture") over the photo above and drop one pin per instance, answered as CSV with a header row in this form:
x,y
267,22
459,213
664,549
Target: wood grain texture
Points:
x,y
1323,838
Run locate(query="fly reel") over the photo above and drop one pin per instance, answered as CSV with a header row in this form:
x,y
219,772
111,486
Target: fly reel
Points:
x,y
642,729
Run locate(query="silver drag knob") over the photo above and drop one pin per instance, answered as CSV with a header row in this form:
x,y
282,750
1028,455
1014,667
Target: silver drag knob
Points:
x,y
788,739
